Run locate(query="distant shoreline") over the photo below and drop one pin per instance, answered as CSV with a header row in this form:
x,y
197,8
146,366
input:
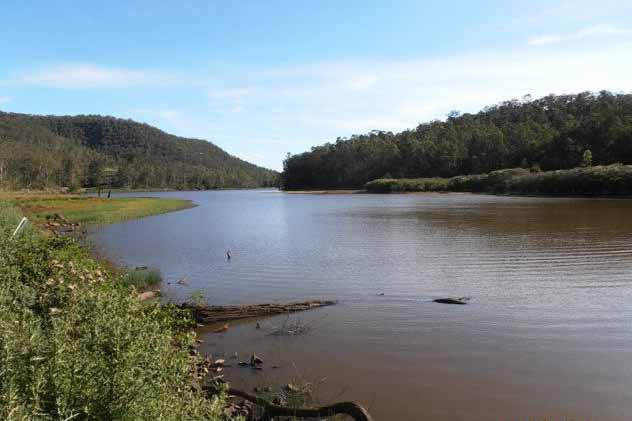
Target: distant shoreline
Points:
x,y
324,191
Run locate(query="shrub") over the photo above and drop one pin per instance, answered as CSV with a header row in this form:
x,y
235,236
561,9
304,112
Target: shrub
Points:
x,y
75,342
610,180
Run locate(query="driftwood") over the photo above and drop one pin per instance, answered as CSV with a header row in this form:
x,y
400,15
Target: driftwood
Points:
x,y
352,409
458,301
212,314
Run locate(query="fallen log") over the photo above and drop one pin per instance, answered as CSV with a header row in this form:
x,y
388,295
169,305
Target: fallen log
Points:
x,y
212,314
458,301
352,409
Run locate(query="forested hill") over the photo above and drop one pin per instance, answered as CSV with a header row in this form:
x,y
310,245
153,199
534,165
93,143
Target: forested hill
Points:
x,y
84,151
554,132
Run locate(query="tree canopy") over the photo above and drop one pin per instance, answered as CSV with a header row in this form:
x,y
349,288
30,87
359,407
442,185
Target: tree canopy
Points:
x,y
551,133
78,151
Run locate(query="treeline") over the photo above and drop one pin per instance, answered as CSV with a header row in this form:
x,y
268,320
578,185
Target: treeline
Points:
x,y
609,180
554,132
87,151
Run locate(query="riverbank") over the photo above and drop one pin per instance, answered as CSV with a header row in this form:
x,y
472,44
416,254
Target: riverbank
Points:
x,y
325,191
87,210
602,181
76,341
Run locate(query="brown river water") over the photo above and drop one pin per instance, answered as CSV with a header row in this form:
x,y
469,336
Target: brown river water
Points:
x,y
547,333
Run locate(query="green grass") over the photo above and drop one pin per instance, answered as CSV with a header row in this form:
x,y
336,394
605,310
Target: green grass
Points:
x,y
142,277
609,180
94,211
77,343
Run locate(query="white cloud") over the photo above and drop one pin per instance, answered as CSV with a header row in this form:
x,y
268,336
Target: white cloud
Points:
x,y
90,76
601,30
5,100
264,112
320,104
584,10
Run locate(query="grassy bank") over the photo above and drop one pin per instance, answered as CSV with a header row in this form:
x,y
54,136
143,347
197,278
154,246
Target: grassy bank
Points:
x,y
611,180
77,343
91,210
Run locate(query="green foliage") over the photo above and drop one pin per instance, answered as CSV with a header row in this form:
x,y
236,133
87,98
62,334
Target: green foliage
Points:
x,y
76,343
48,151
611,180
142,277
549,133
197,297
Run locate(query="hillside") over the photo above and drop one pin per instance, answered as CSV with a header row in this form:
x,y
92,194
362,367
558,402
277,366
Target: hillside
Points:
x,y
551,133
78,151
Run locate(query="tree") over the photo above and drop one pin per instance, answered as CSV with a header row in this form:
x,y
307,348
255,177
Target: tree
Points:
x,y
554,132
587,158
95,173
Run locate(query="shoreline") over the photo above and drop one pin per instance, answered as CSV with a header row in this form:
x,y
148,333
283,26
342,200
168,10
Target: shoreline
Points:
x,y
396,193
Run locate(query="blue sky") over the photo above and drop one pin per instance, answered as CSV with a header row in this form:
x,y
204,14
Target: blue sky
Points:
x,y
263,78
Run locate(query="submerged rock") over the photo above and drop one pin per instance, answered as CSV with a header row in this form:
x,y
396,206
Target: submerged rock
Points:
x,y
221,329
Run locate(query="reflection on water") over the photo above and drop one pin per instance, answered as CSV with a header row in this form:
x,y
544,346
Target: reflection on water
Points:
x,y
547,332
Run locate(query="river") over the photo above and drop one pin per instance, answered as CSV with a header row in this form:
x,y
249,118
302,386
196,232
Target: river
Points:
x,y
547,333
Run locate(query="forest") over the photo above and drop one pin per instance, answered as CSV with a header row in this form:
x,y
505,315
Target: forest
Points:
x,y
551,133
38,152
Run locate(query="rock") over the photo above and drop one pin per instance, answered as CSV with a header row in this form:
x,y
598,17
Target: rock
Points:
x,y
243,363
258,326
380,294
459,301
255,360
220,362
148,295
182,281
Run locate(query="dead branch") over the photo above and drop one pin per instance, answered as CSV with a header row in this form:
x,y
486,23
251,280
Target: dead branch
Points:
x,y
352,409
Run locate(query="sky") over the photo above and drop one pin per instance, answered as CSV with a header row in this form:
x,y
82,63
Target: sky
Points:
x,y
264,78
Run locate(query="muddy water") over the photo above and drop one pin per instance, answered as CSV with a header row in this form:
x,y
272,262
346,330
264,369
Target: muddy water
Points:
x,y
547,333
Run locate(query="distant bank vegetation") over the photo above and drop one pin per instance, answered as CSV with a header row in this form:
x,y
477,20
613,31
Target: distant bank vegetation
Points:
x,y
611,180
38,152
551,133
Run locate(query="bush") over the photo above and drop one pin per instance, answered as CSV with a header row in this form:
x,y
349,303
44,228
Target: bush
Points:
x,y
610,180
75,342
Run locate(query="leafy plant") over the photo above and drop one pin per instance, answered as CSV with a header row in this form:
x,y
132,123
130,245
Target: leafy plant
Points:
x,y
76,343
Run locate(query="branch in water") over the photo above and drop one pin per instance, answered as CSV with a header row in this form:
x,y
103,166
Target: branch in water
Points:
x,y
352,409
